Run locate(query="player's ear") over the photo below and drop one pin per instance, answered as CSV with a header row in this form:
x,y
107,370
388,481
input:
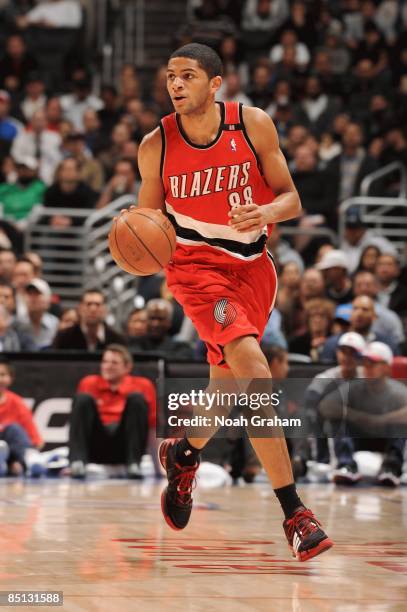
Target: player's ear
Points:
x,y
216,82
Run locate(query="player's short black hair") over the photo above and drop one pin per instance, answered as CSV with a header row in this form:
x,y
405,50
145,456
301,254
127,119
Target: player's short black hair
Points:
x,y
206,57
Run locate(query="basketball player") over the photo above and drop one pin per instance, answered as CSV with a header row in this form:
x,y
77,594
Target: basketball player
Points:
x,y
217,171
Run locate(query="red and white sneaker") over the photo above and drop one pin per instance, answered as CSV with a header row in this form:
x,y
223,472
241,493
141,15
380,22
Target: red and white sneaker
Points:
x,y
176,499
305,537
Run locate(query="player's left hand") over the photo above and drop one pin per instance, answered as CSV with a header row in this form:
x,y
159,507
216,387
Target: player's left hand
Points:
x,y
247,218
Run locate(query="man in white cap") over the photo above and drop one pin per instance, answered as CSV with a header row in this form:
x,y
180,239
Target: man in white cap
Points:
x,y
42,324
334,266
348,353
369,407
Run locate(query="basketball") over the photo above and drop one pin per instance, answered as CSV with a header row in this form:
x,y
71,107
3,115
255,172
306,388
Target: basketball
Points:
x,y
142,241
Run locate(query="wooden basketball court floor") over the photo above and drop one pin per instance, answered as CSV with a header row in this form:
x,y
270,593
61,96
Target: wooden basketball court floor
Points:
x,y
106,546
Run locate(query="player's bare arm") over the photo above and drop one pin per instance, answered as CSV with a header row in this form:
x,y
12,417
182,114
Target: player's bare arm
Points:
x,y
286,205
151,194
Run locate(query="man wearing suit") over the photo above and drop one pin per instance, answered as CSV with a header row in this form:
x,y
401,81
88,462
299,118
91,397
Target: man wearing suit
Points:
x,y
346,171
91,333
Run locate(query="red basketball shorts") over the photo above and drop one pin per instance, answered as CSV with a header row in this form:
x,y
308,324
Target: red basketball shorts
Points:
x,y
225,302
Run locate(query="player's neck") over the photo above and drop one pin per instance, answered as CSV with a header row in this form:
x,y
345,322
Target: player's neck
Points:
x,y
202,126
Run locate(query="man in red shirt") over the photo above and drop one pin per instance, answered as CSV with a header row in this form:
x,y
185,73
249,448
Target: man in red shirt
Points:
x,y
111,414
17,428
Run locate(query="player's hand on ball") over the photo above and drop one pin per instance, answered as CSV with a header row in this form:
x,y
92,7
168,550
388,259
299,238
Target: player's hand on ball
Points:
x,y
247,218
130,208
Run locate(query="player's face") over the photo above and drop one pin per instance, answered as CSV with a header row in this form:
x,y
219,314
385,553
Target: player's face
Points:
x,y
189,86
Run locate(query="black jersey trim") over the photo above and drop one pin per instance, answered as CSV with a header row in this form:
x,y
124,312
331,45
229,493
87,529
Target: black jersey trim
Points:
x,y
218,135
245,250
246,135
163,148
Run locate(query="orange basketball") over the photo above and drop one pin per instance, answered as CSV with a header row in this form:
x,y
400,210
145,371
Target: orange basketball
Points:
x,y
142,241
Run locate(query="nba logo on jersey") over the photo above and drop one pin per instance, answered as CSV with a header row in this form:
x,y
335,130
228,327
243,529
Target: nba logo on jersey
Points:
x,y
233,145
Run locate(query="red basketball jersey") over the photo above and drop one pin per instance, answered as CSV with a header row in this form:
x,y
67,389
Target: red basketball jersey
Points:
x,y
203,182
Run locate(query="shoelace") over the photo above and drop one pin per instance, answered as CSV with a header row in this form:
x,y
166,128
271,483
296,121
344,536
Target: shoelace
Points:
x,y
185,483
304,521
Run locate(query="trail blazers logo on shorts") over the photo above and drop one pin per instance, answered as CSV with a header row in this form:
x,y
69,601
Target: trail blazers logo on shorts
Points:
x,y
224,312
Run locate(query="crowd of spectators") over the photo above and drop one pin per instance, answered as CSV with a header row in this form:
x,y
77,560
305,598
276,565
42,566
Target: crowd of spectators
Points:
x,y
332,75
333,78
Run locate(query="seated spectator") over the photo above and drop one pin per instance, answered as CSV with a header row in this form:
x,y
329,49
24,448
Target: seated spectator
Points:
x,y
259,90
334,266
9,341
123,182
8,301
346,171
311,184
273,333
361,321
42,324
53,14
54,114
95,140
23,273
302,23
69,318
387,322
319,316
348,354
357,236
317,110
17,426
38,142
288,295
264,15
68,191
111,415
392,291
109,115
19,199
35,98
119,137
369,406
297,136
230,52
322,67
289,38
91,333
7,263
282,251
337,51
369,257
76,103
231,90
90,169
157,339
16,64
9,126
136,325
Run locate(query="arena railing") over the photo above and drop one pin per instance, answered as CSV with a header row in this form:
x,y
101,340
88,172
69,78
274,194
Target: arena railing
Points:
x,y
78,257
388,216
381,173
